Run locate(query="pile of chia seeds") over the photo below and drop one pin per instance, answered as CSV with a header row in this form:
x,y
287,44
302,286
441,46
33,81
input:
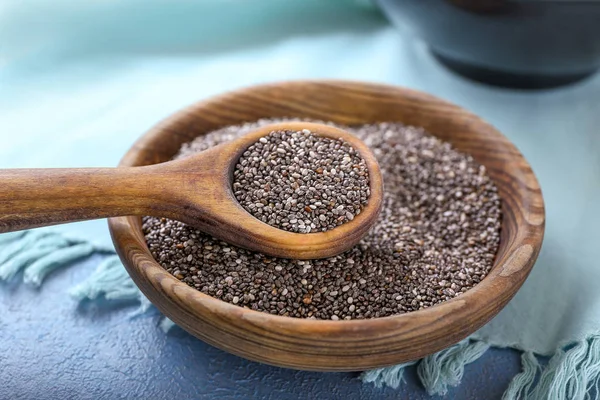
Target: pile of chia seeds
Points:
x,y
301,182
436,237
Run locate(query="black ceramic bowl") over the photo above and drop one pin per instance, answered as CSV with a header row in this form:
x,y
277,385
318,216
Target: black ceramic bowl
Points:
x,y
511,43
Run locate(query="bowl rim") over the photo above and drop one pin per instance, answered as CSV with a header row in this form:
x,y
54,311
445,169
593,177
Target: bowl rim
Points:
x,y
126,231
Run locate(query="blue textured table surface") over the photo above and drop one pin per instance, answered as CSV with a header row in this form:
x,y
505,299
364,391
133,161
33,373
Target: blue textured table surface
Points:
x,y
53,348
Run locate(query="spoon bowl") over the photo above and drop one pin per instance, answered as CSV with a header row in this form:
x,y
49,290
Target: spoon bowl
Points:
x,y
211,205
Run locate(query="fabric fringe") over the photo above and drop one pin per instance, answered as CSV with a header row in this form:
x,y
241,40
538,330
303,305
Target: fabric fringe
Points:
x,y
521,384
571,373
390,376
37,253
110,280
446,368
436,372
14,245
19,259
36,272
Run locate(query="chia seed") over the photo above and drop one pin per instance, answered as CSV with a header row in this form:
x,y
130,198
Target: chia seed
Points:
x,y
436,237
301,182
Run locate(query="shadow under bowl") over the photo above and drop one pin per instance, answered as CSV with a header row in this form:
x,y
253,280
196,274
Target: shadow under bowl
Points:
x,y
341,345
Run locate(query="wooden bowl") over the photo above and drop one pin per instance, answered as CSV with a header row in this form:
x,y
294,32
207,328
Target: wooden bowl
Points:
x,y
341,345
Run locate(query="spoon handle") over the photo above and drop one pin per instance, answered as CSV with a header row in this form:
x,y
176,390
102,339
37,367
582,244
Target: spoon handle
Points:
x,y
31,198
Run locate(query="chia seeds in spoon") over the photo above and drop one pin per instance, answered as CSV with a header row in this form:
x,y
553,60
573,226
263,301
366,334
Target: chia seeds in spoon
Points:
x,y
436,237
301,182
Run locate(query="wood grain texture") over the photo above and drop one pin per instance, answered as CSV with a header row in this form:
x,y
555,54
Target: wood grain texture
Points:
x,y
342,345
196,190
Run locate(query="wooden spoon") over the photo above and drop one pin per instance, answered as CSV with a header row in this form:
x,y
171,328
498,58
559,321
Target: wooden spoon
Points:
x,y
195,190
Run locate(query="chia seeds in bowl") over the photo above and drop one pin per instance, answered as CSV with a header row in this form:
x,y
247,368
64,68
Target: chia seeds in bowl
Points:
x,y
436,237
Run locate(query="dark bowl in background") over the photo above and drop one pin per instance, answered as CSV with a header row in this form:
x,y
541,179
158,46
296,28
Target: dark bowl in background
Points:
x,y
519,43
